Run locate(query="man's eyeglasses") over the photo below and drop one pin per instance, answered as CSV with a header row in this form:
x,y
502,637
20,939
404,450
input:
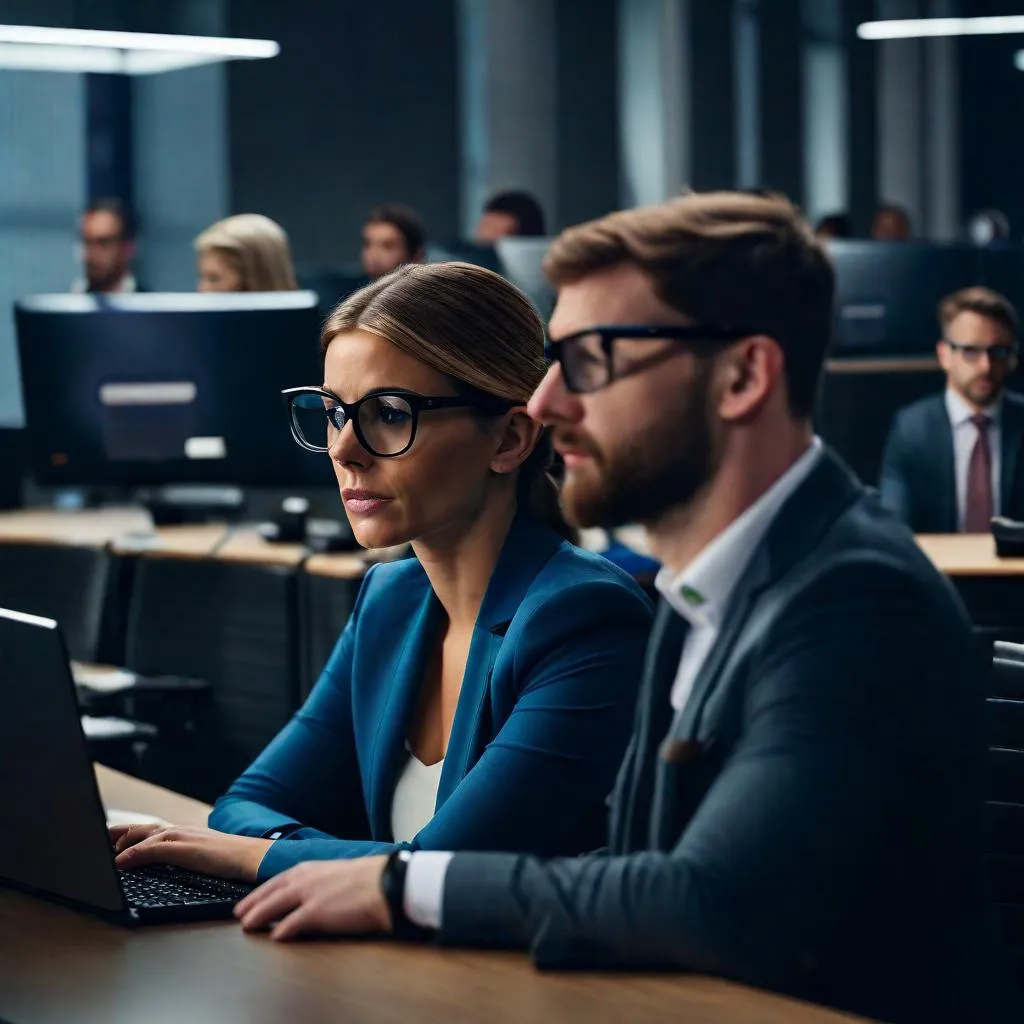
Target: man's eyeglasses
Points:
x,y
587,358
973,353
384,422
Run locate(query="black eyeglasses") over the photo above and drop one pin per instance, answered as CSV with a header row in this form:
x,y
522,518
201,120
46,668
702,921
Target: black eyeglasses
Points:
x,y
587,358
972,353
384,421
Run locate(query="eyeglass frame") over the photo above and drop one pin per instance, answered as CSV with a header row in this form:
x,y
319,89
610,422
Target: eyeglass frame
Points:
x,y
1002,353
554,349
417,403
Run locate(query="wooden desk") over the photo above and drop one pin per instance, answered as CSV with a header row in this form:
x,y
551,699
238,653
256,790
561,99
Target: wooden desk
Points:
x,y
968,554
59,966
80,527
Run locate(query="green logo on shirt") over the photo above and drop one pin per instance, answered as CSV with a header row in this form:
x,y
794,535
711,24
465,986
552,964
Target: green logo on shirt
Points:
x,y
691,596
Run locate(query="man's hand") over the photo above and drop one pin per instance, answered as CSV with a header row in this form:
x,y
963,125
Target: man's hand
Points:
x,y
191,847
336,897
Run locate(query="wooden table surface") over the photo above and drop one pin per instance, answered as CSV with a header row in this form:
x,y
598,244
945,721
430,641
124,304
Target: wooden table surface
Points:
x,y
59,966
968,554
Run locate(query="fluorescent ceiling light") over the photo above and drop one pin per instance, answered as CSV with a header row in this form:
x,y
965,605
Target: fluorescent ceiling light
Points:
x,y
918,28
32,48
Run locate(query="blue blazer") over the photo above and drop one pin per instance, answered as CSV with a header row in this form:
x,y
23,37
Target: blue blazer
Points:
x,y
918,481
541,725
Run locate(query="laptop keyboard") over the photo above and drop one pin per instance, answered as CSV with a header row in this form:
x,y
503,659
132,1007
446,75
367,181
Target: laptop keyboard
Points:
x,y
164,886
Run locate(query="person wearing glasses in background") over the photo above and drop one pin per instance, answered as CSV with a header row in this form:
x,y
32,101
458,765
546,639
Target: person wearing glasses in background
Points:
x,y
107,244
952,461
481,695
800,807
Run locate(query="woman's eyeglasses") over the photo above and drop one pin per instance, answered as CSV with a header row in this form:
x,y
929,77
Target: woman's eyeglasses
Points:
x,y
384,422
587,358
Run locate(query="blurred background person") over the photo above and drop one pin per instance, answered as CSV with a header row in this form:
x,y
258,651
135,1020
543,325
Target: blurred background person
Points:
x,y
835,225
393,235
891,223
107,239
510,213
244,253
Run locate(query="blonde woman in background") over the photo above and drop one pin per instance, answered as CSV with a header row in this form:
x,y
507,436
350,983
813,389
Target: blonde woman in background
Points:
x,y
244,253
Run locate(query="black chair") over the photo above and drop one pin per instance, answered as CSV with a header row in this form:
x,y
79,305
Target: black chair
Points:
x,y
233,624
325,604
1005,795
58,581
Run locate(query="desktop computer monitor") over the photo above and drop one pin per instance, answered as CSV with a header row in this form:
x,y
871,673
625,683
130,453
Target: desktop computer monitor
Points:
x,y
521,260
460,251
887,293
149,390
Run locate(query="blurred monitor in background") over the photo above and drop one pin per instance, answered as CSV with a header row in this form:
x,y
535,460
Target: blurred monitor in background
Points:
x,y
149,390
508,214
891,223
835,225
393,235
244,253
107,241
522,263
988,226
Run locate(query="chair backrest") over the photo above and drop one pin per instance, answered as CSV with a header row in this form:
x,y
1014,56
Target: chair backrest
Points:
x,y
232,624
1005,795
58,581
325,604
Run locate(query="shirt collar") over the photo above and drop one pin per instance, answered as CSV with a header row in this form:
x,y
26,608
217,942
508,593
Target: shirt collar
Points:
x,y
960,412
701,591
127,285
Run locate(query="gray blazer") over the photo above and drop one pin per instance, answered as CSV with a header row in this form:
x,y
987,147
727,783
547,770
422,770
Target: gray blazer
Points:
x,y
811,823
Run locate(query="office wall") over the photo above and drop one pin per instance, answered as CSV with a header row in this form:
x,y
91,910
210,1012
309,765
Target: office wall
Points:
x,y
361,107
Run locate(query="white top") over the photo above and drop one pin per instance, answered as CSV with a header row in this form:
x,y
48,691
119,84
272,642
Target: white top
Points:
x,y
700,593
126,286
415,798
965,437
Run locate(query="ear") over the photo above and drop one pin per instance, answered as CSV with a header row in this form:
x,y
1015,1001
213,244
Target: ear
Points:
x,y
517,437
943,354
750,372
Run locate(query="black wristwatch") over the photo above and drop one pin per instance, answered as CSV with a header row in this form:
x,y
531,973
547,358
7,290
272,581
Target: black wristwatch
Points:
x,y
392,884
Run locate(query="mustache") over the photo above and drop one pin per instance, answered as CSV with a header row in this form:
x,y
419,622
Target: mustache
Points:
x,y
575,442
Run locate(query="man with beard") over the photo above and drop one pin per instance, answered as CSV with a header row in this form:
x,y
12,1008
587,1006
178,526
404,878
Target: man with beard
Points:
x,y
951,462
800,805
107,233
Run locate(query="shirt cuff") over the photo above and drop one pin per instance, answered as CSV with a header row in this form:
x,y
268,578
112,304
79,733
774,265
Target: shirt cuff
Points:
x,y
424,888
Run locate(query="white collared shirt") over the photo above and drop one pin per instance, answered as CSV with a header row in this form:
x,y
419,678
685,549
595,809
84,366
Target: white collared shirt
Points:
x,y
700,593
126,286
965,437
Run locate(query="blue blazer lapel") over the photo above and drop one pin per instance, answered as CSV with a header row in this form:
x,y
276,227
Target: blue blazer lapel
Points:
x,y
527,549
403,690
1012,431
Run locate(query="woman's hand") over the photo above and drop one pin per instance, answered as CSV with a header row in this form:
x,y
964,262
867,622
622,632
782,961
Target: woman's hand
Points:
x,y
334,897
191,847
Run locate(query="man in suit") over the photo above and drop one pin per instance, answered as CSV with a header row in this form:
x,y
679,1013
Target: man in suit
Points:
x,y
800,805
952,461
107,238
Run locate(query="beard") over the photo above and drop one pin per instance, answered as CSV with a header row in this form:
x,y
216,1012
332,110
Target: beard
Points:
x,y
658,469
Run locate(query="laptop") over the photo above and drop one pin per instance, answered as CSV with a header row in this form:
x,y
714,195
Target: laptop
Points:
x,y
53,830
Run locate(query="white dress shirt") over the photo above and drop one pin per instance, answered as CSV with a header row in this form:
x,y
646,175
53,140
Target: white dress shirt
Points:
x,y
965,436
700,593
126,286
415,798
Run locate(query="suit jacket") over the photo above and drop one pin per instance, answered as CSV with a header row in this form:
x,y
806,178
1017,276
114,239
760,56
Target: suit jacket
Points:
x,y
810,820
918,481
542,721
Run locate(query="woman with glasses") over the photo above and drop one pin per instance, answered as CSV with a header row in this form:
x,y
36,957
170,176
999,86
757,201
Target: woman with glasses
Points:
x,y
481,695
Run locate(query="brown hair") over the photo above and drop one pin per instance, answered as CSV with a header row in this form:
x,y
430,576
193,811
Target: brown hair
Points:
x,y
983,301
477,329
256,247
727,259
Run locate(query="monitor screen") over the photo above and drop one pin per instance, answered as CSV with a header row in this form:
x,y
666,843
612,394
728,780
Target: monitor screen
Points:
x,y
151,389
521,260
887,293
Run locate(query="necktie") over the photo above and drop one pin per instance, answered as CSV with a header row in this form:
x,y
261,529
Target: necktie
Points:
x,y
979,507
